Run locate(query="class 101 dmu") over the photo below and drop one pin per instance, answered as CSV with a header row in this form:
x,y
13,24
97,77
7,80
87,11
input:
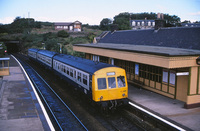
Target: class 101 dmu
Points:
x,y
103,83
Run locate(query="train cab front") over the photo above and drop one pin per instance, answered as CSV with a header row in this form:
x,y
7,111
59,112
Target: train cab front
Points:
x,y
110,88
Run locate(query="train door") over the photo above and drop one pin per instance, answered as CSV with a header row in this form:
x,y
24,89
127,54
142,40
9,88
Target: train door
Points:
x,y
112,88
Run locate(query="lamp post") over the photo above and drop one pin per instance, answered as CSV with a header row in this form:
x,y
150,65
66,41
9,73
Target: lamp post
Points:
x,y
44,45
60,47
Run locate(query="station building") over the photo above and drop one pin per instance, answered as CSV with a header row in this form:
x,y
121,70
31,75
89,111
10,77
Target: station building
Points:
x,y
165,61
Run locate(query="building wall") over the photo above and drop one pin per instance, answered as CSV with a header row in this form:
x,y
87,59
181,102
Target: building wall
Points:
x,y
193,98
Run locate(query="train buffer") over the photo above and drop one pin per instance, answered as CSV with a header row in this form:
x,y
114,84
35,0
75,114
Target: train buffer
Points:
x,y
4,66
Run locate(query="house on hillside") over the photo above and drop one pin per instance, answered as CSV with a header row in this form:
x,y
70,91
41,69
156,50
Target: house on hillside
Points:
x,y
69,26
163,60
142,24
147,24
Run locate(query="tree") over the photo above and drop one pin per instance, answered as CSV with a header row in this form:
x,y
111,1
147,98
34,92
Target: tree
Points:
x,y
122,21
186,21
172,20
105,24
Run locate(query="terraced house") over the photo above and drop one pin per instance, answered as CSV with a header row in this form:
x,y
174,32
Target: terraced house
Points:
x,y
163,60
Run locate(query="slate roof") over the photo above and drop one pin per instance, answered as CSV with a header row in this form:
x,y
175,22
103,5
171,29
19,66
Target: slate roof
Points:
x,y
155,50
63,23
181,37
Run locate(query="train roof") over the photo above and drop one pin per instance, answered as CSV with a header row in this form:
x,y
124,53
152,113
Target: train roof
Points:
x,y
47,53
86,65
33,50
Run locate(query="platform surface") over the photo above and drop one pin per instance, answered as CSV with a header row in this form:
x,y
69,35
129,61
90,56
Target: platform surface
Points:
x,y
19,108
167,107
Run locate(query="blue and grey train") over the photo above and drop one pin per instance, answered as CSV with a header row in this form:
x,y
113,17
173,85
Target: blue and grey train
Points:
x,y
103,83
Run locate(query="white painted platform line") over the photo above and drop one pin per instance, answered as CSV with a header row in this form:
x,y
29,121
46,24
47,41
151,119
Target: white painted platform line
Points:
x,y
159,118
38,98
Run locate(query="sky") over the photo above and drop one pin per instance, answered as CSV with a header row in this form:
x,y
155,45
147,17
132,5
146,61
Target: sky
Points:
x,y
93,11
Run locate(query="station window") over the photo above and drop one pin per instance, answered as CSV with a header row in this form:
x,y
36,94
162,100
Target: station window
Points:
x,y
121,81
85,79
165,76
103,59
150,72
172,77
111,82
95,58
101,83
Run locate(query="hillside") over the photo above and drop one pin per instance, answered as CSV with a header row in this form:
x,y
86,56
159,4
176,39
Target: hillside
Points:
x,y
36,33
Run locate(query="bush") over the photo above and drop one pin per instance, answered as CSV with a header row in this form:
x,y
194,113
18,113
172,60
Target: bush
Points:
x,y
63,34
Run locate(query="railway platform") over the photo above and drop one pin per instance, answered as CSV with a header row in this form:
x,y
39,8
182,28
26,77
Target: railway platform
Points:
x,y
169,109
19,107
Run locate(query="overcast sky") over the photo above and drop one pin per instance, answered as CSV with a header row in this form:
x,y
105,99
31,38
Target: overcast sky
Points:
x,y
93,11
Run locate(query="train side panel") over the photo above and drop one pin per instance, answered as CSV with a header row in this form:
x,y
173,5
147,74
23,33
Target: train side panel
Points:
x,y
79,79
46,58
32,53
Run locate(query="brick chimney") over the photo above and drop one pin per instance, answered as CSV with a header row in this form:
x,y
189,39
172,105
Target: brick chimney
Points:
x,y
160,22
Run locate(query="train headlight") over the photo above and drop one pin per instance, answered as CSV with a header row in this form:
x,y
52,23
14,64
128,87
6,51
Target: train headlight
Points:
x,y
123,95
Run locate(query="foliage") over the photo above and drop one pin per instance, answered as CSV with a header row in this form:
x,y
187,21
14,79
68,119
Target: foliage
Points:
x,y
105,24
63,34
52,45
140,16
122,20
172,20
2,49
20,25
90,26
186,21
197,22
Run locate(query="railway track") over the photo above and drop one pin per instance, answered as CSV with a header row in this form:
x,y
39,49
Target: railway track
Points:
x,y
123,119
60,114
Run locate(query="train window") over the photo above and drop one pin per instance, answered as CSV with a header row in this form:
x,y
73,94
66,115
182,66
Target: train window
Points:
x,y
121,81
101,83
71,72
111,82
61,68
84,79
79,76
67,71
74,74
64,69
